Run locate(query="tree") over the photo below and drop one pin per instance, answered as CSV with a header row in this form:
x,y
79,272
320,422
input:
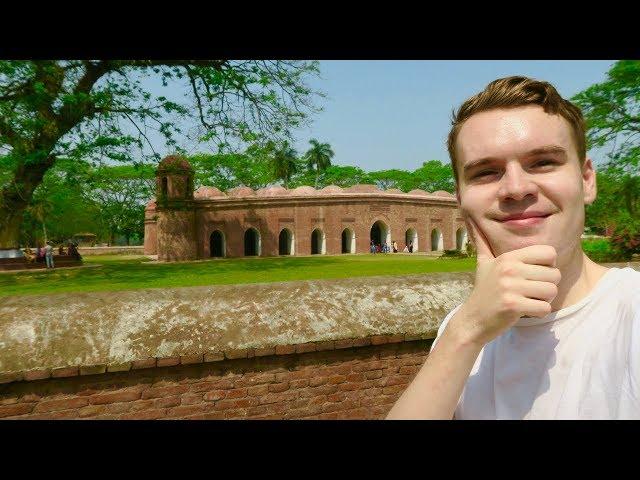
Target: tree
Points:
x,y
433,176
318,157
612,114
386,179
285,163
82,110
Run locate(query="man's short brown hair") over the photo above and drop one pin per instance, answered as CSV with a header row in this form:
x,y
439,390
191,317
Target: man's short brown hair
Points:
x,y
511,92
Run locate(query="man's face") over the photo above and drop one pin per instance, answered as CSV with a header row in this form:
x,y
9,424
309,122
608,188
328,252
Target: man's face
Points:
x,y
521,181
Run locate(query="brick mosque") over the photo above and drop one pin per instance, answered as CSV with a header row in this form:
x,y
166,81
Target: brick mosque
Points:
x,y
183,224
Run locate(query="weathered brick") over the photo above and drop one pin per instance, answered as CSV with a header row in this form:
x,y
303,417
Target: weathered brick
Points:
x,y
214,395
279,387
371,374
118,408
356,377
301,383
334,379
168,361
191,399
206,416
354,414
145,415
336,397
191,359
259,379
9,400
184,410
344,405
167,402
65,372
278,397
349,386
257,410
394,389
30,397
314,382
141,405
62,404
146,363
93,369
306,347
409,370
11,377
397,338
379,339
396,380
236,353
326,345
236,393
328,416
91,411
347,343
115,397
213,357
37,374
16,409
157,392
55,415
258,390
236,403
119,367
294,375
412,361
285,349
235,414
362,342
266,351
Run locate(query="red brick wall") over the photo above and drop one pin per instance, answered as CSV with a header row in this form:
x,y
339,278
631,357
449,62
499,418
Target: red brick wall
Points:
x,y
352,383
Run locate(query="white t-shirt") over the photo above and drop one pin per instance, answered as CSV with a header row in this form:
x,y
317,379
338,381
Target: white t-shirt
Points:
x,y
581,362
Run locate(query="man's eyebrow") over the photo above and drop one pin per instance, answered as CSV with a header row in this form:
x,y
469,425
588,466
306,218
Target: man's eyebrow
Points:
x,y
547,149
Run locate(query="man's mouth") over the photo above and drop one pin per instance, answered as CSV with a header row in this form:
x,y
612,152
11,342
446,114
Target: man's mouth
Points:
x,y
524,219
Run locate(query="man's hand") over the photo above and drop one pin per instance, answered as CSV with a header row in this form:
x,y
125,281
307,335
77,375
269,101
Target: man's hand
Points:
x,y
515,284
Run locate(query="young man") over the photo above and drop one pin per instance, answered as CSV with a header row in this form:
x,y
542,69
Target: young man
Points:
x,y
546,333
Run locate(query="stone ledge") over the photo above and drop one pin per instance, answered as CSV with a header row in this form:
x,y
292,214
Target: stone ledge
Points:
x,y
229,355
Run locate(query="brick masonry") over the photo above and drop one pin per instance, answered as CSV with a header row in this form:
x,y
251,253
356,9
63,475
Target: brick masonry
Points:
x,y
345,382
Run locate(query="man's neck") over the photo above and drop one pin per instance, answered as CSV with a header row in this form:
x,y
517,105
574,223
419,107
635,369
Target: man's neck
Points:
x,y
579,277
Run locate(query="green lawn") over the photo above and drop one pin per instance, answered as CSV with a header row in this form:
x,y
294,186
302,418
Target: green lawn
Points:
x,y
133,272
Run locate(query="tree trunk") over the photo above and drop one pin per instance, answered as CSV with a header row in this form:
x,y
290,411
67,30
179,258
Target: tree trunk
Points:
x,y
44,230
16,197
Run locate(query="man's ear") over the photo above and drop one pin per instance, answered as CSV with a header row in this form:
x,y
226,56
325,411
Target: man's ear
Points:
x,y
589,186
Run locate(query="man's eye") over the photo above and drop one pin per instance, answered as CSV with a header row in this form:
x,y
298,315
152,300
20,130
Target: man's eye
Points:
x,y
543,163
483,173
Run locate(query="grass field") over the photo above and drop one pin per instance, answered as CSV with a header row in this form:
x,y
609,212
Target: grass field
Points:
x,y
112,273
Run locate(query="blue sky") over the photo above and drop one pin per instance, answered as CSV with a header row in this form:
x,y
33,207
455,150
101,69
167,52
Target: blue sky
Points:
x,y
396,114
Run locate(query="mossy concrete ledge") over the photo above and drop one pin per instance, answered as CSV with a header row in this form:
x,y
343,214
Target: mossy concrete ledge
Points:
x,y
92,333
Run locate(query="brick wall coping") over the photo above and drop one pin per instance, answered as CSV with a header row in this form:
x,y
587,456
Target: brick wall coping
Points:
x,y
89,333
208,357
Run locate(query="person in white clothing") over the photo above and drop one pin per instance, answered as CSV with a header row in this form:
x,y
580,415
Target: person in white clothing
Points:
x,y
546,333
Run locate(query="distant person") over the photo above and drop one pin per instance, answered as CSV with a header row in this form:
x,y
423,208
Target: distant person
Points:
x,y
29,255
48,255
395,247
61,250
372,247
411,247
73,252
406,248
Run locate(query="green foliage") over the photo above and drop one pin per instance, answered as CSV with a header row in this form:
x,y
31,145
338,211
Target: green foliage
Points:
x,y
625,240
612,113
601,250
98,111
318,157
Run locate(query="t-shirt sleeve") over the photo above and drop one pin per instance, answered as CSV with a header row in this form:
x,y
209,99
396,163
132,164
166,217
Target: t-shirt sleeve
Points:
x,y
443,325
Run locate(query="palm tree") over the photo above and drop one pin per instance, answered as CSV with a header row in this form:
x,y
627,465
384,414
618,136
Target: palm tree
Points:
x,y
285,163
319,157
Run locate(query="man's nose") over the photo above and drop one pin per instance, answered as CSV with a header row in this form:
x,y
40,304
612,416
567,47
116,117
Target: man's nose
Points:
x,y
516,184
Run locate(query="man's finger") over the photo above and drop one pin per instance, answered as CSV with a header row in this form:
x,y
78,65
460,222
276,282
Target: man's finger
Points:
x,y
479,239
535,255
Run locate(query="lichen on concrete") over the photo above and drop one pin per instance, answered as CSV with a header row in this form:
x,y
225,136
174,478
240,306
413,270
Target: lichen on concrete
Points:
x,y
61,330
